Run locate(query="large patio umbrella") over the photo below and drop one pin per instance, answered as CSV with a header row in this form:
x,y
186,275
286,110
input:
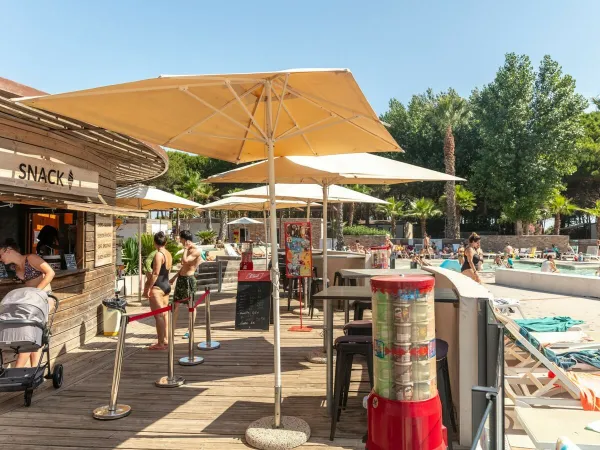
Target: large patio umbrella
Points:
x,y
239,118
308,193
149,198
325,170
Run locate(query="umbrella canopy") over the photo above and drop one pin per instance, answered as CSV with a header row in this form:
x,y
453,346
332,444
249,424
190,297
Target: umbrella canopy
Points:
x,y
232,117
307,192
360,168
236,203
240,117
244,221
150,198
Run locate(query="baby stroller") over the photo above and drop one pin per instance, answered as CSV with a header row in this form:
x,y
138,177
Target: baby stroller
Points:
x,y
24,328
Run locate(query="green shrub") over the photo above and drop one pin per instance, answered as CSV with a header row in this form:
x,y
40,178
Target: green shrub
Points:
x,y
207,237
362,230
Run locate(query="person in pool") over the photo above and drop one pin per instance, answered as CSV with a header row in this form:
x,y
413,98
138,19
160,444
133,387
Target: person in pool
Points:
x,y
33,271
472,258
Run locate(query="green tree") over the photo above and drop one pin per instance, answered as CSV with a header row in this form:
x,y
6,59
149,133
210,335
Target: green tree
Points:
x,y
423,209
595,211
393,210
465,201
450,111
351,206
584,184
529,125
559,205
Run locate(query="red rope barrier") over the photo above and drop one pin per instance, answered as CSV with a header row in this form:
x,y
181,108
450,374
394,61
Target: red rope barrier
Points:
x,y
202,297
148,314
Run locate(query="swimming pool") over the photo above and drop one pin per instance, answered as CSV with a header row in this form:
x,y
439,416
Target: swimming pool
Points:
x,y
535,266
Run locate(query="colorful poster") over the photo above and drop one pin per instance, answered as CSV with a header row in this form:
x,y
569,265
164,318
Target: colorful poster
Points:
x,y
298,250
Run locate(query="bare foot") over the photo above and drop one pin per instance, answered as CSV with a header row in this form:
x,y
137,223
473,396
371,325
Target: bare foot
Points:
x,y
158,346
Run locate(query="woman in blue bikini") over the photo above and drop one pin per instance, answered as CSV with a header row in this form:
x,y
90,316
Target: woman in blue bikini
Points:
x,y
33,271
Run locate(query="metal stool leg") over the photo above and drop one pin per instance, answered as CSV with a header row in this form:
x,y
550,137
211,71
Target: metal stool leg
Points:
x,y
209,344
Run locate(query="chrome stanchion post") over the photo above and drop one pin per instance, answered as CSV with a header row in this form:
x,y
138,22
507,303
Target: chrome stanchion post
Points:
x,y
190,359
114,410
209,344
170,380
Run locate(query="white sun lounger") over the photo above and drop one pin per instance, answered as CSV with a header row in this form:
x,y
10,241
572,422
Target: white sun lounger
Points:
x,y
592,252
536,388
545,426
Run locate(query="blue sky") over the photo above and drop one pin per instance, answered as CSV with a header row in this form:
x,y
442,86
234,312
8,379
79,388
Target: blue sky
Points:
x,y
394,48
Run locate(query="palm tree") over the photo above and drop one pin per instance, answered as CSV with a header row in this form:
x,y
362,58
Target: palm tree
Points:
x,y
595,211
393,210
560,205
338,226
449,112
352,207
465,201
423,209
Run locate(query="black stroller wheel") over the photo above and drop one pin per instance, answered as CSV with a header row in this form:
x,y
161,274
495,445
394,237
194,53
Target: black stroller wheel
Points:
x,y
28,396
57,376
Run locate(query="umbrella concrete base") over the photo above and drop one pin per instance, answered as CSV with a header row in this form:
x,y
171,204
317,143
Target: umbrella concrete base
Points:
x,y
318,357
293,433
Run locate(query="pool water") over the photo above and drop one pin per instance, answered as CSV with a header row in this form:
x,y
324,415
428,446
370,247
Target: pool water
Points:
x,y
589,271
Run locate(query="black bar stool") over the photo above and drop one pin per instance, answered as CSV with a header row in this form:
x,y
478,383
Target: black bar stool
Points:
x,y
359,328
347,347
443,381
359,308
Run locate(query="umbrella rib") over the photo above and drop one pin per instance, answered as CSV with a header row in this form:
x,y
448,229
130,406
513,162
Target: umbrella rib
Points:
x,y
216,136
282,104
250,115
229,103
262,94
287,75
217,110
308,99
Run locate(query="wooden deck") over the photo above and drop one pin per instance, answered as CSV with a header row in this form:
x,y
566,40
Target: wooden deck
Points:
x,y
220,399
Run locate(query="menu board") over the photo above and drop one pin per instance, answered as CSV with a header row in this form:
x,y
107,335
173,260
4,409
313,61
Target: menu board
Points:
x,y
3,273
70,261
253,300
298,250
104,240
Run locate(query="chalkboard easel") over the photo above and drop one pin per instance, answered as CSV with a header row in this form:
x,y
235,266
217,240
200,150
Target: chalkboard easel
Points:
x,y
253,300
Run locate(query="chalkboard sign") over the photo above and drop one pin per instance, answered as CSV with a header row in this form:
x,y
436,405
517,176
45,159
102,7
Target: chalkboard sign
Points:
x,y
253,300
70,261
3,273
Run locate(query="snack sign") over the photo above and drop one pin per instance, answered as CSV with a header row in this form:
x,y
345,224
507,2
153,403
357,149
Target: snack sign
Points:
x,y
298,250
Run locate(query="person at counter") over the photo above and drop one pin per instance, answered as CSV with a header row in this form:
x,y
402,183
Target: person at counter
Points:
x,y
47,241
33,271
158,288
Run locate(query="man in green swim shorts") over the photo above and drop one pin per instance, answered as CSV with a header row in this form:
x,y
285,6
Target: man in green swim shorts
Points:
x,y
185,287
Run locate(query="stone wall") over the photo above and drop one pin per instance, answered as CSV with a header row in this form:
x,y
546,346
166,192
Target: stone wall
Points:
x,y
365,241
496,243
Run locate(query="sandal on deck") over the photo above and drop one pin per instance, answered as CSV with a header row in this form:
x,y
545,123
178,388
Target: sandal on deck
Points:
x,y
158,346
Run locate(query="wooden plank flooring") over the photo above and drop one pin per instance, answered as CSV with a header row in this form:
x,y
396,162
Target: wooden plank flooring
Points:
x,y
220,399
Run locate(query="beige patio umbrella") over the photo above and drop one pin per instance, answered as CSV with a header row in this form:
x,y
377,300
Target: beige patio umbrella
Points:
x,y
148,198
309,192
325,170
238,117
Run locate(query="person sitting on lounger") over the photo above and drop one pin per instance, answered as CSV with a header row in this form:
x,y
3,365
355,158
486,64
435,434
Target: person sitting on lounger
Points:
x,y
549,266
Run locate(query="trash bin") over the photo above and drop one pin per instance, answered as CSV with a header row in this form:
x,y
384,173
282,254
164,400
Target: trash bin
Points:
x,y
112,308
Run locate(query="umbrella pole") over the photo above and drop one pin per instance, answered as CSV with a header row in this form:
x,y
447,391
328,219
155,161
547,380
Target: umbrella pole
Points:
x,y
266,239
308,211
140,287
274,263
328,335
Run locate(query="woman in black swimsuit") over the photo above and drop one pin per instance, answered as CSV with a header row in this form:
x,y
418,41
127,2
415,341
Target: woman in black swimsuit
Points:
x,y
472,258
33,271
158,288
